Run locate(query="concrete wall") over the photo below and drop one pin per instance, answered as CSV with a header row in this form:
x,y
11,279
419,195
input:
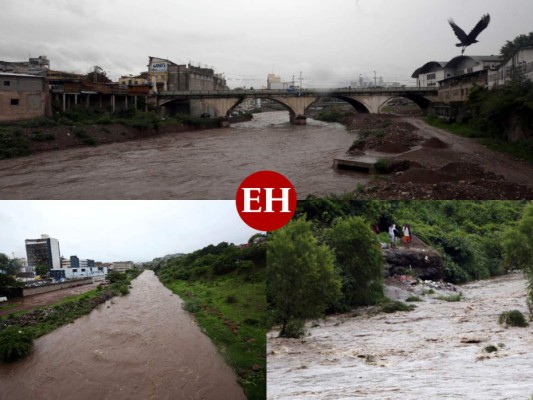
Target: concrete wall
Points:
x,y
54,286
21,97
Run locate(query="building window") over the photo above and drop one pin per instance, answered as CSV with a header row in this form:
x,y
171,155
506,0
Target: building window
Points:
x,y
83,270
74,270
469,70
14,102
431,76
7,83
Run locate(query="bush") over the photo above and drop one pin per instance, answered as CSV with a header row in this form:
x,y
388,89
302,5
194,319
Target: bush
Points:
x,y
394,306
413,298
15,343
192,305
123,289
490,349
382,166
451,297
42,137
231,299
512,318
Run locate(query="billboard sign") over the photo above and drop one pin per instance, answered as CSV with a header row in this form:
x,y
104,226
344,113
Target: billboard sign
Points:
x,y
159,67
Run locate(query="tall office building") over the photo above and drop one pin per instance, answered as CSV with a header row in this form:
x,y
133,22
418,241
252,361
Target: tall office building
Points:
x,y
43,251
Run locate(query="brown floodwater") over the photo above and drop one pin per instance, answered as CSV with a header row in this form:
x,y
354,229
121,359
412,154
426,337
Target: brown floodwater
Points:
x,y
140,346
208,164
433,352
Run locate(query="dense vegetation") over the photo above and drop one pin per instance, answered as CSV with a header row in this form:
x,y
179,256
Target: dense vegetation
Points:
x,y
18,330
224,286
518,248
474,239
15,137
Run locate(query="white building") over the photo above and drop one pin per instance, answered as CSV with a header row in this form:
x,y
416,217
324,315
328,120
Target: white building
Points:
x,y
521,61
76,273
122,266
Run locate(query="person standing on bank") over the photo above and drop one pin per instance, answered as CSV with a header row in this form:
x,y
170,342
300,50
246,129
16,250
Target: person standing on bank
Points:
x,y
392,236
406,230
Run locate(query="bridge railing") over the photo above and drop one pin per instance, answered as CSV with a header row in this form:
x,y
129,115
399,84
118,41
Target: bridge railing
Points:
x,y
307,91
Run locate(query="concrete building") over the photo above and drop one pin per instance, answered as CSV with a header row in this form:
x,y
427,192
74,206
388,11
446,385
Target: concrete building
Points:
x,y
429,74
34,66
167,76
139,80
43,251
521,62
274,82
122,266
22,96
76,273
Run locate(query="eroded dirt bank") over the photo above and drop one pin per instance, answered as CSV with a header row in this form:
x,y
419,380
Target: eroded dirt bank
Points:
x,y
428,162
141,346
433,352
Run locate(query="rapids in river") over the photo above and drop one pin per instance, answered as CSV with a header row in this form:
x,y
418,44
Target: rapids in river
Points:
x,y
434,352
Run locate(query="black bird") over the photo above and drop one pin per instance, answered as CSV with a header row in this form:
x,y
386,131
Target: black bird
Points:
x,y
467,40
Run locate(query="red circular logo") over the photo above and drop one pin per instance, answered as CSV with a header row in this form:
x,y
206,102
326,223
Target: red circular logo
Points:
x,y
266,200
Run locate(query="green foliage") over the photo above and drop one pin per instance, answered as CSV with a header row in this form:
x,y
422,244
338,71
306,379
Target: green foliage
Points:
x,y
42,270
512,318
393,306
42,137
15,343
382,166
468,233
490,349
238,328
301,280
451,298
192,305
359,260
510,48
411,299
13,143
333,115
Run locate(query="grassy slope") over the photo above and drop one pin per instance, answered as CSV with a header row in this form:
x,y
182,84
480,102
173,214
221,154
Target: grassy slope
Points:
x,y
232,314
520,149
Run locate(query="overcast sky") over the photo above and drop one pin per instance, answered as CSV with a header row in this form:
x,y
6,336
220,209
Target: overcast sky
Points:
x,y
121,230
330,42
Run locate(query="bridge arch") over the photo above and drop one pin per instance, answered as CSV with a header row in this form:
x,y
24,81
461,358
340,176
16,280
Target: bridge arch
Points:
x,y
292,112
360,105
419,100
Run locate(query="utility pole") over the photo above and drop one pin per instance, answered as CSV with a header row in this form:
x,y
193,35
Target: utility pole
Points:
x,y
301,79
375,79
293,80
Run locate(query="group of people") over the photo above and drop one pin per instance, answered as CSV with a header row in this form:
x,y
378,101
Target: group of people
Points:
x,y
406,235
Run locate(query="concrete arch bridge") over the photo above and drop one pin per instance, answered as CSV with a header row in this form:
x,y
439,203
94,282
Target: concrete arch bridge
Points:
x,y
297,101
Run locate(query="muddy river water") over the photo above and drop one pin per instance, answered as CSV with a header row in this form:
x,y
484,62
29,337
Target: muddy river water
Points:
x,y
208,164
433,352
140,346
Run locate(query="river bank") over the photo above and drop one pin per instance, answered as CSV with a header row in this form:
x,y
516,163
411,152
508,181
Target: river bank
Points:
x,y
139,346
436,351
42,135
419,161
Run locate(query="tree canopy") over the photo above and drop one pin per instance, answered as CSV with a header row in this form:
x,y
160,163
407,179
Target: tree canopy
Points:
x,y
301,280
510,48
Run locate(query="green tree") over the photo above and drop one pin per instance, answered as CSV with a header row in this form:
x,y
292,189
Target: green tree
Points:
x,y
301,280
42,270
359,259
518,248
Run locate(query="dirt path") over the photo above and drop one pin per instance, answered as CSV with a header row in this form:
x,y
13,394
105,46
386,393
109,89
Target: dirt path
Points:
x,y
433,352
467,150
140,346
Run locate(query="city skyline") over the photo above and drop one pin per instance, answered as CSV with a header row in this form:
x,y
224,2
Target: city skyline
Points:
x,y
110,231
331,43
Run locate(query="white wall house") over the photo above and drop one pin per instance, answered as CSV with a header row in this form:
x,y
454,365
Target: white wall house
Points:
x,y
75,273
429,74
521,61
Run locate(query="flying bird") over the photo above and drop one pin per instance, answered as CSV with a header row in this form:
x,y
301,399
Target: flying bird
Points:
x,y
467,40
